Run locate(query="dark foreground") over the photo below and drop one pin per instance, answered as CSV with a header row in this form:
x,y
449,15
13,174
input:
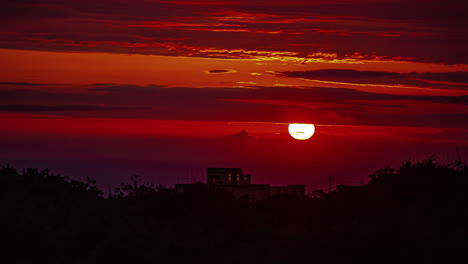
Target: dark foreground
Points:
x,y
414,214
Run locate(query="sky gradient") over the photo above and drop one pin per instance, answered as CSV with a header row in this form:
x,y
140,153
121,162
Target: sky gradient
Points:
x,y
382,80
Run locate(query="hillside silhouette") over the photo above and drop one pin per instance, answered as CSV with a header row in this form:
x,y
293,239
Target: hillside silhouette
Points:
x,y
410,214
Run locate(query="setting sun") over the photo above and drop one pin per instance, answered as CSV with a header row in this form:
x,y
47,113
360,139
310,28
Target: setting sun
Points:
x,y
301,131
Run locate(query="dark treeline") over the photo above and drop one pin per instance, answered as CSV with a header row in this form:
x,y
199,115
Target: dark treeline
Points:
x,y
408,214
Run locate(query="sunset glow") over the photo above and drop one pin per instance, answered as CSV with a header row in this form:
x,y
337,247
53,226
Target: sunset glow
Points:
x,y
220,82
235,131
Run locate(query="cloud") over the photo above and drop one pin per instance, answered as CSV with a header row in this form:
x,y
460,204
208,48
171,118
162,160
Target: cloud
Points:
x,y
451,134
238,138
63,108
125,88
220,71
21,83
452,80
258,104
361,30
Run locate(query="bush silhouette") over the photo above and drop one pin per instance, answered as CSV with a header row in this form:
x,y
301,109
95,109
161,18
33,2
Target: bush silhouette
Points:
x,y
412,212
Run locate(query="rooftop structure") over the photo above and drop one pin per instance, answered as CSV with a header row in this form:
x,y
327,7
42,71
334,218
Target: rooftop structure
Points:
x,y
235,181
226,176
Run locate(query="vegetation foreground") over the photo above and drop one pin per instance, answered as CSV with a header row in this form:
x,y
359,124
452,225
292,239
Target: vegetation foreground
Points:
x,y
410,214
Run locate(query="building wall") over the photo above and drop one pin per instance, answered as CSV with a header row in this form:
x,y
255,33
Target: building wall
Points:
x,y
254,192
278,190
234,181
299,190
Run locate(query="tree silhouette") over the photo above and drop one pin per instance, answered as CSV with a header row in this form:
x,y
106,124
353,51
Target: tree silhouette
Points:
x,y
406,213
135,189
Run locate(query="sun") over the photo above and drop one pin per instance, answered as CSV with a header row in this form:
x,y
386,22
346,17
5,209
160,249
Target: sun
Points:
x,y
301,131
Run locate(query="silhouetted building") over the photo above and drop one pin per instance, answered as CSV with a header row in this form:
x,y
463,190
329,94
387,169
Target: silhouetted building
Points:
x,y
236,182
342,187
291,189
226,176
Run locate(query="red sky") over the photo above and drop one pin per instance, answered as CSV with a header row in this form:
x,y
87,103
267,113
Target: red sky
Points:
x,y
383,80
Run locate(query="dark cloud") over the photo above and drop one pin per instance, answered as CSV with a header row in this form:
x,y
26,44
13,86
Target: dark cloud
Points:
x,y
452,134
220,71
103,84
62,108
20,83
389,29
124,95
339,72
453,77
125,88
238,138
257,104
452,80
